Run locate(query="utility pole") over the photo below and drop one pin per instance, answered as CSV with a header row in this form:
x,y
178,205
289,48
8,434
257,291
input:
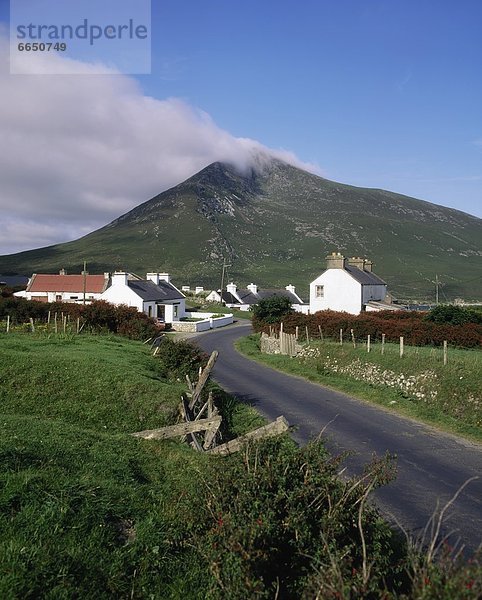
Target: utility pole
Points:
x,y
84,273
225,266
436,289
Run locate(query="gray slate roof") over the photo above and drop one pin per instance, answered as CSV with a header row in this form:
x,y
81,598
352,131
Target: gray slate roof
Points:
x,y
150,292
247,296
364,277
229,298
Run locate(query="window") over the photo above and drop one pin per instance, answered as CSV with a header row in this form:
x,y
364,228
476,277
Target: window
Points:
x,y
319,291
176,311
149,311
58,297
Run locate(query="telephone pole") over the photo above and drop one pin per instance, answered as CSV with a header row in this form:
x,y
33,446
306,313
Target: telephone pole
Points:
x,y
84,273
225,266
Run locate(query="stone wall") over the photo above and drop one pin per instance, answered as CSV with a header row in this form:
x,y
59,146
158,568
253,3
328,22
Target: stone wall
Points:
x,y
274,345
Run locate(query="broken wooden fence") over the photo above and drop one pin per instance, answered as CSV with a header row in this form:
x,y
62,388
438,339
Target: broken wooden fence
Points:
x,y
201,421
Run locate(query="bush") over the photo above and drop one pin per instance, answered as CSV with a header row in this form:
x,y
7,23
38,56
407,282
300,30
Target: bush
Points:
x,y
280,517
271,310
453,315
181,358
412,325
99,316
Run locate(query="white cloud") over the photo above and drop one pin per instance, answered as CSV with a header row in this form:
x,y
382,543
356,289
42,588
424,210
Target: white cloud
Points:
x,y
80,150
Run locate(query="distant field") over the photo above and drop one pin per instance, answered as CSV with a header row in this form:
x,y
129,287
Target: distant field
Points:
x,y
418,385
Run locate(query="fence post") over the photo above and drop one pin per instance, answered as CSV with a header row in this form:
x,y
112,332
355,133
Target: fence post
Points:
x,y
55,323
307,335
32,325
296,331
341,337
401,346
8,323
78,324
368,343
321,333
383,343
445,352
353,338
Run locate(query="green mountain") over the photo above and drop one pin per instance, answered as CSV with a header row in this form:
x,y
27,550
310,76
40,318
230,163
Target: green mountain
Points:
x,y
275,225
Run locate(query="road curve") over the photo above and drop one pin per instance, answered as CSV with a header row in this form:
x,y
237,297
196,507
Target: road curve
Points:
x,y
432,466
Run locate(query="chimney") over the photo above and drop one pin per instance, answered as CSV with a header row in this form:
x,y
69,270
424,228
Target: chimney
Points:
x,y
231,288
290,288
154,277
164,277
62,272
356,261
253,288
368,265
119,278
335,260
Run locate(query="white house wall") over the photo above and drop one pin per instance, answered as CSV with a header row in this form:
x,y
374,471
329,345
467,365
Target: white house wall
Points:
x,y
341,292
122,294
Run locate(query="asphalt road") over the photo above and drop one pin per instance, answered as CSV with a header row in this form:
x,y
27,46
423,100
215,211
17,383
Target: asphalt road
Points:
x,y
432,466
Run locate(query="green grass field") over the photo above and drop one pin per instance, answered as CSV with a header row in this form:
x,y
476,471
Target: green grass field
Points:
x,y
84,506
418,385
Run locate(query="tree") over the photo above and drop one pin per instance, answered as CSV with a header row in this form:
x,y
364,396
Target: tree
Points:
x,y
273,309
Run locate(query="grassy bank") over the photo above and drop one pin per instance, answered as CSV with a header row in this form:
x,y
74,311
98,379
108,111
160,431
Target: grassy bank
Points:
x,y
418,385
87,511
84,506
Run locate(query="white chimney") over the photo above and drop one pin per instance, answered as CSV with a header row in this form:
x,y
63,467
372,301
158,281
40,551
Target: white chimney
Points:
x,y
119,278
154,277
199,289
164,277
290,288
253,288
231,288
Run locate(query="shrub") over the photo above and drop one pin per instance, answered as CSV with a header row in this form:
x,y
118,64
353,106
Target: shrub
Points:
x,y
453,315
181,358
412,325
97,316
271,310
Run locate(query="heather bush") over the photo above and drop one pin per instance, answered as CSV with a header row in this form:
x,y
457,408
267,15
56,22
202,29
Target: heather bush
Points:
x,y
413,326
99,316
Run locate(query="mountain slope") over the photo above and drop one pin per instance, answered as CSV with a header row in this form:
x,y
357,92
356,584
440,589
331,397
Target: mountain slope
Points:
x,y
275,225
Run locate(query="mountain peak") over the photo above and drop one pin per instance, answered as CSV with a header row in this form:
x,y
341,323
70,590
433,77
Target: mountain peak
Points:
x,y
275,223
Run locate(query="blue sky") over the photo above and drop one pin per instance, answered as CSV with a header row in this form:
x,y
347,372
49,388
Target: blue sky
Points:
x,y
382,93
375,93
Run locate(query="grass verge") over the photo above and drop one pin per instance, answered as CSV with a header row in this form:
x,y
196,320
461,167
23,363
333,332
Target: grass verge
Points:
x,y
419,385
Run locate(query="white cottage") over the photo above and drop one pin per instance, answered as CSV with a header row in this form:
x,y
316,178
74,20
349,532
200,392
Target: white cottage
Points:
x,y
243,299
46,287
155,296
348,285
